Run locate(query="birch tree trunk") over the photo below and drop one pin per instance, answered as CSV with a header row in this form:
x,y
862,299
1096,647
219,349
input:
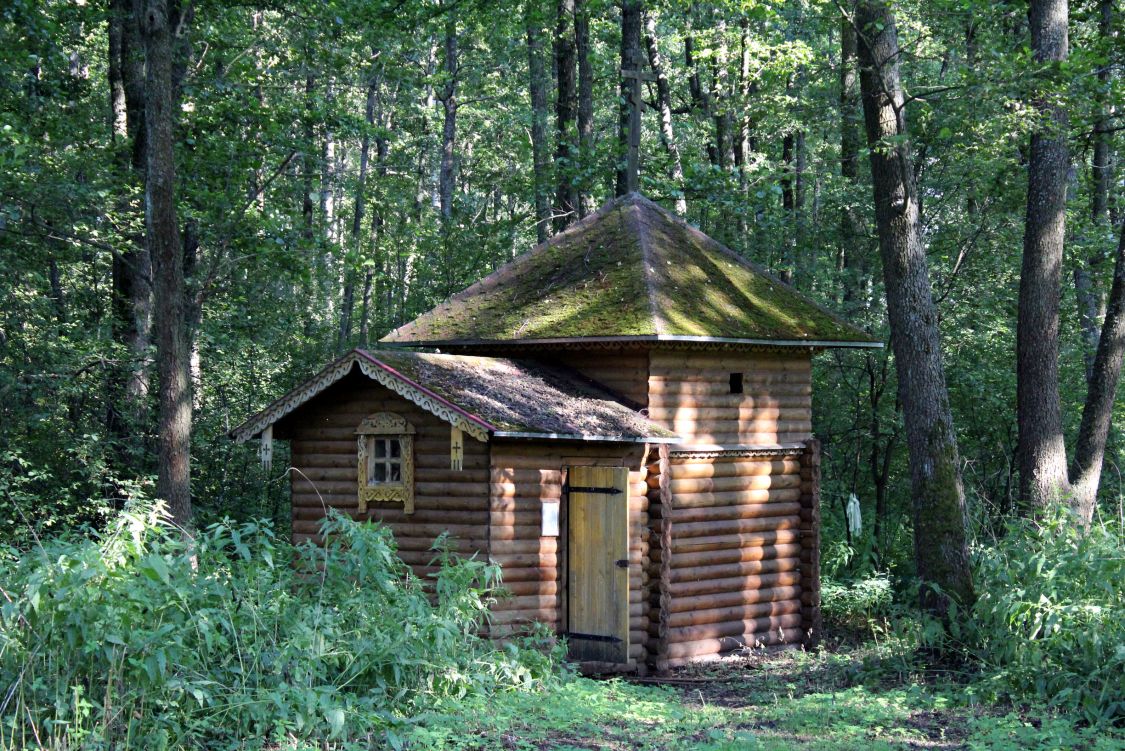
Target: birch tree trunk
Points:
x,y
160,22
940,549
1042,448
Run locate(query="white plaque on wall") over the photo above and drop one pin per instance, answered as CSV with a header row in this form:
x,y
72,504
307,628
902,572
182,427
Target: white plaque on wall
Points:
x,y
550,519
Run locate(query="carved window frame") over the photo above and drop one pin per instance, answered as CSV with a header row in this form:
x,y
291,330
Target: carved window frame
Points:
x,y
383,425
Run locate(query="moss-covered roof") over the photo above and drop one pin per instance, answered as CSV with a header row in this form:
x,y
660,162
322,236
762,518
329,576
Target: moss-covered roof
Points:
x,y
484,395
630,270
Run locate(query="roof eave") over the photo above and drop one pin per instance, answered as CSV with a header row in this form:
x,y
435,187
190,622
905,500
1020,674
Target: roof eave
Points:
x,y
641,339
587,438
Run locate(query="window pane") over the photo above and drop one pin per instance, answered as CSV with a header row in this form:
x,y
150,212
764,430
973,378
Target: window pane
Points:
x,y
396,447
380,473
380,447
396,472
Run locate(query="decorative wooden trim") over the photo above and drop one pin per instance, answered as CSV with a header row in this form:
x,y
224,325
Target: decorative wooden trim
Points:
x,y
386,424
435,405
747,452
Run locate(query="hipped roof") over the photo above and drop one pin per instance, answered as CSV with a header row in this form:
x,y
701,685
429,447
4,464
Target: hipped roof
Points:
x,y
484,396
631,271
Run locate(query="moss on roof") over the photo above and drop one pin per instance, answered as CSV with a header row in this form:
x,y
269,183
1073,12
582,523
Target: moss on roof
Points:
x,y
517,396
630,270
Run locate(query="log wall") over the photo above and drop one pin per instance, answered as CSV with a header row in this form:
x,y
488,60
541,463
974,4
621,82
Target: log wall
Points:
x,y
690,393
623,372
323,441
730,536
524,476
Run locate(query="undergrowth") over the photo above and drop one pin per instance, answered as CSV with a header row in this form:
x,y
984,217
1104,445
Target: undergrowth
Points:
x,y
1049,621
234,639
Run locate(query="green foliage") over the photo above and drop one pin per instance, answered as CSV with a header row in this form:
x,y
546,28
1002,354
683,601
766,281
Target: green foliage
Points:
x,y
1050,619
142,639
854,605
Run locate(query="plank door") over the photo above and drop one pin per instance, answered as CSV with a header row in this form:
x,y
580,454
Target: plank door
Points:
x,y
598,563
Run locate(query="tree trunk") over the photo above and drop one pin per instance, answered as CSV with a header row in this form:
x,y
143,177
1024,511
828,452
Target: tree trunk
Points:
x,y
940,549
359,210
160,21
585,102
850,261
1042,448
700,97
664,103
540,148
130,283
627,166
1088,298
1085,473
448,98
566,146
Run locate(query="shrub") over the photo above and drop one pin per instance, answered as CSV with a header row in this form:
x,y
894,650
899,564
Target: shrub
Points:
x,y
1050,619
853,605
142,639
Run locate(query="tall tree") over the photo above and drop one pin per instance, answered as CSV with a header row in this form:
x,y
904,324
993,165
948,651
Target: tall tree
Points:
x,y
628,131
161,23
585,101
566,106
131,274
1105,375
1101,174
940,547
540,148
1042,448
664,105
851,228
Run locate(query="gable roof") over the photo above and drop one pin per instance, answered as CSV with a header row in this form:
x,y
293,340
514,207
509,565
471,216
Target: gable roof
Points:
x,y
484,396
631,271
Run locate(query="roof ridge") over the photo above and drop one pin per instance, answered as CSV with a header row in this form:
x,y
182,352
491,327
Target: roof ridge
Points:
x,y
647,270
746,262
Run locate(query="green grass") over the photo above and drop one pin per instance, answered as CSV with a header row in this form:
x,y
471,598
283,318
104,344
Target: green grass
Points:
x,y
862,698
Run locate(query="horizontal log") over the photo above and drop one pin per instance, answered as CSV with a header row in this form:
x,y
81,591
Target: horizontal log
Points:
x,y
685,652
696,505
548,616
732,528
529,573
776,545
521,560
783,578
734,613
544,545
534,602
732,599
684,469
532,587
731,571
800,389
733,628
680,485
776,507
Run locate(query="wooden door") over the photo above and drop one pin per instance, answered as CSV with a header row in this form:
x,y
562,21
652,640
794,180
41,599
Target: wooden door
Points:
x,y
598,562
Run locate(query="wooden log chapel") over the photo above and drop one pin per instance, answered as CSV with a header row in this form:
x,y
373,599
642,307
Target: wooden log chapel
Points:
x,y
620,418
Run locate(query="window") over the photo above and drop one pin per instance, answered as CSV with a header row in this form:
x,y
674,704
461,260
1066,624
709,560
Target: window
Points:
x,y
735,383
385,445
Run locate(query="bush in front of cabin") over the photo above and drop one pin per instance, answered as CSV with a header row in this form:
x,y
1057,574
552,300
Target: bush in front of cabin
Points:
x,y
146,639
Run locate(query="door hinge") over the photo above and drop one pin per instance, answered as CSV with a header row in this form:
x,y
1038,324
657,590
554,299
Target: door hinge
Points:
x,y
596,491
592,637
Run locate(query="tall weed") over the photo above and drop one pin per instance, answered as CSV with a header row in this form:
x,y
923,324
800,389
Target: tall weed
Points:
x,y
1050,617
142,639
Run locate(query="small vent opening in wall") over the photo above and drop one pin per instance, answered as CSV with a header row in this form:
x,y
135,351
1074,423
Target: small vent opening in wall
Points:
x,y
736,383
